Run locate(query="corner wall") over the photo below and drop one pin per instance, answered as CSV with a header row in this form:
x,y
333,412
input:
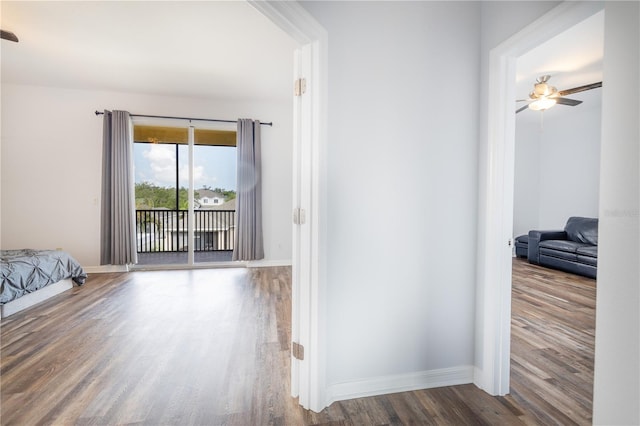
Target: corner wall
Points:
x,y
51,164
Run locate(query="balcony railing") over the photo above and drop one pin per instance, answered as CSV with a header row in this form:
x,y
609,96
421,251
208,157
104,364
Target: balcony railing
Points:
x,y
167,230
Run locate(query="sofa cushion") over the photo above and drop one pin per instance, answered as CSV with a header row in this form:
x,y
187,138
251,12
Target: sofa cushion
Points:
x,y
590,251
562,249
588,260
565,255
582,230
522,246
561,245
573,267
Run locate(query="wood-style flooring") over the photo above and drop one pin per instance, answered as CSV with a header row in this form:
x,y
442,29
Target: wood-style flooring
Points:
x,y
211,347
552,344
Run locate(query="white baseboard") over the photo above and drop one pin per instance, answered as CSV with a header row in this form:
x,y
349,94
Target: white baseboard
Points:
x,y
183,267
103,269
268,263
400,383
242,264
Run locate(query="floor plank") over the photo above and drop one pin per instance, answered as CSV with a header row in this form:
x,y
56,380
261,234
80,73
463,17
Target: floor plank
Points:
x,y
211,346
552,344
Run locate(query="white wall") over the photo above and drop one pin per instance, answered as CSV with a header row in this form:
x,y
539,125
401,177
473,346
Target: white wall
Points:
x,y
51,164
402,125
616,398
526,185
557,168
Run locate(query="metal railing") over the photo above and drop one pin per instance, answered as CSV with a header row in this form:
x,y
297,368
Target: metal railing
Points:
x,y
167,230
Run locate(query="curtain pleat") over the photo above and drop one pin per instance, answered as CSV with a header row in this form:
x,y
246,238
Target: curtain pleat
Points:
x,y
118,226
248,234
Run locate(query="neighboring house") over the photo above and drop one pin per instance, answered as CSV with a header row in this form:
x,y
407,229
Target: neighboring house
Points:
x,y
206,198
227,205
213,230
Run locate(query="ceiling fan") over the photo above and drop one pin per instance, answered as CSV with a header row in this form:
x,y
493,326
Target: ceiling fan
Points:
x,y
544,95
8,35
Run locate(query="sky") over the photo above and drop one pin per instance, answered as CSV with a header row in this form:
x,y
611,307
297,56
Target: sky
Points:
x,y
214,166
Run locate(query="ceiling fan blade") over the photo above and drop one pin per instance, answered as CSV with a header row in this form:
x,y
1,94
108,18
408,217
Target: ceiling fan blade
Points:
x,y
567,101
522,108
580,89
8,35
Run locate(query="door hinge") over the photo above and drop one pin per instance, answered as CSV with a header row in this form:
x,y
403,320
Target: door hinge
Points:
x,y
300,86
299,216
297,350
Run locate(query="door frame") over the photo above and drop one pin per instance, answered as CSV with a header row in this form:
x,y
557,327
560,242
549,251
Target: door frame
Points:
x,y
493,337
309,194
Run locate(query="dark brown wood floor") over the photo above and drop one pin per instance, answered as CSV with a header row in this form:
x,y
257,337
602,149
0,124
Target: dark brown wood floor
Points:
x,y
552,344
208,347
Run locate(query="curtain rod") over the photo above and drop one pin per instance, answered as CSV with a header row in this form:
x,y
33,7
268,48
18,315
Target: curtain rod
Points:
x,y
188,118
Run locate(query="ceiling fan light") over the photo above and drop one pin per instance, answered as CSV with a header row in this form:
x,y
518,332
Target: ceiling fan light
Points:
x,y
542,104
543,89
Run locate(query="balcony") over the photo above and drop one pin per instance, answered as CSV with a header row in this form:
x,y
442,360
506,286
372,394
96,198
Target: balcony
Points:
x,y
162,236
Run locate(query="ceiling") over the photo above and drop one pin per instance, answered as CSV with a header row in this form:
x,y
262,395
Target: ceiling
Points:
x,y
217,49
572,58
207,49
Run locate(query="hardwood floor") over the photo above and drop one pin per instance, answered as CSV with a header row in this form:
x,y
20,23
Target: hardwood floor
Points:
x,y
211,346
552,343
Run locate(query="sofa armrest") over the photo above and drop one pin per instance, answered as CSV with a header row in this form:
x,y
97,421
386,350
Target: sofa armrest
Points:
x,y
535,236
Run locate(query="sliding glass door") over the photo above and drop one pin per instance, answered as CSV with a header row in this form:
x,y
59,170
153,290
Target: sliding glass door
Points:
x,y
185,183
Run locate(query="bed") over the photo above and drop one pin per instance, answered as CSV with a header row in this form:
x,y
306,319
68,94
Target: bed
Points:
x,y
31,276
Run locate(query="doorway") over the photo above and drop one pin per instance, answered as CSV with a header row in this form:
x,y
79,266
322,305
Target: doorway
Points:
x,y
495,252
310,67
553,312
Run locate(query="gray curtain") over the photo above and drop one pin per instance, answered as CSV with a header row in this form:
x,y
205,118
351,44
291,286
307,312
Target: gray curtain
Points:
x,y
118,222
248,234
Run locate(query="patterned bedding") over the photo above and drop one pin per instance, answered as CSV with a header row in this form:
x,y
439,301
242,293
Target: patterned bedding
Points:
x,y
25,271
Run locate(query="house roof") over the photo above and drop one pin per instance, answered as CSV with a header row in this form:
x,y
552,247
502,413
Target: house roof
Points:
x,y
208,193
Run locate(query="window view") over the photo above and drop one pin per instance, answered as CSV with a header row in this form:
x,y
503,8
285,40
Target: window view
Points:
x,y
161,164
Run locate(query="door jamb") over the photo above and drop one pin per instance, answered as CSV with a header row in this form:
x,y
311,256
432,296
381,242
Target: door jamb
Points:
x,y
495,229
308,310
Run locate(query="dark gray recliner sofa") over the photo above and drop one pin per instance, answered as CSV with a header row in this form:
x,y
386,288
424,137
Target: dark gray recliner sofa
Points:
x,y
574,249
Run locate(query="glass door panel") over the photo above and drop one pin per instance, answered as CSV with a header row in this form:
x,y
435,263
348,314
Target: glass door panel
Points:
x,y
162,165
214,205
161,200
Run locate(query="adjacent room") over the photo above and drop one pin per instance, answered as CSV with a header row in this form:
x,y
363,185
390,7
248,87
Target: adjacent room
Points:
x,y
557,176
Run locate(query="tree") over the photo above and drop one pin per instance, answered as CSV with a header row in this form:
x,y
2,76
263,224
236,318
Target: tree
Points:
x,y
228,194
151,196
